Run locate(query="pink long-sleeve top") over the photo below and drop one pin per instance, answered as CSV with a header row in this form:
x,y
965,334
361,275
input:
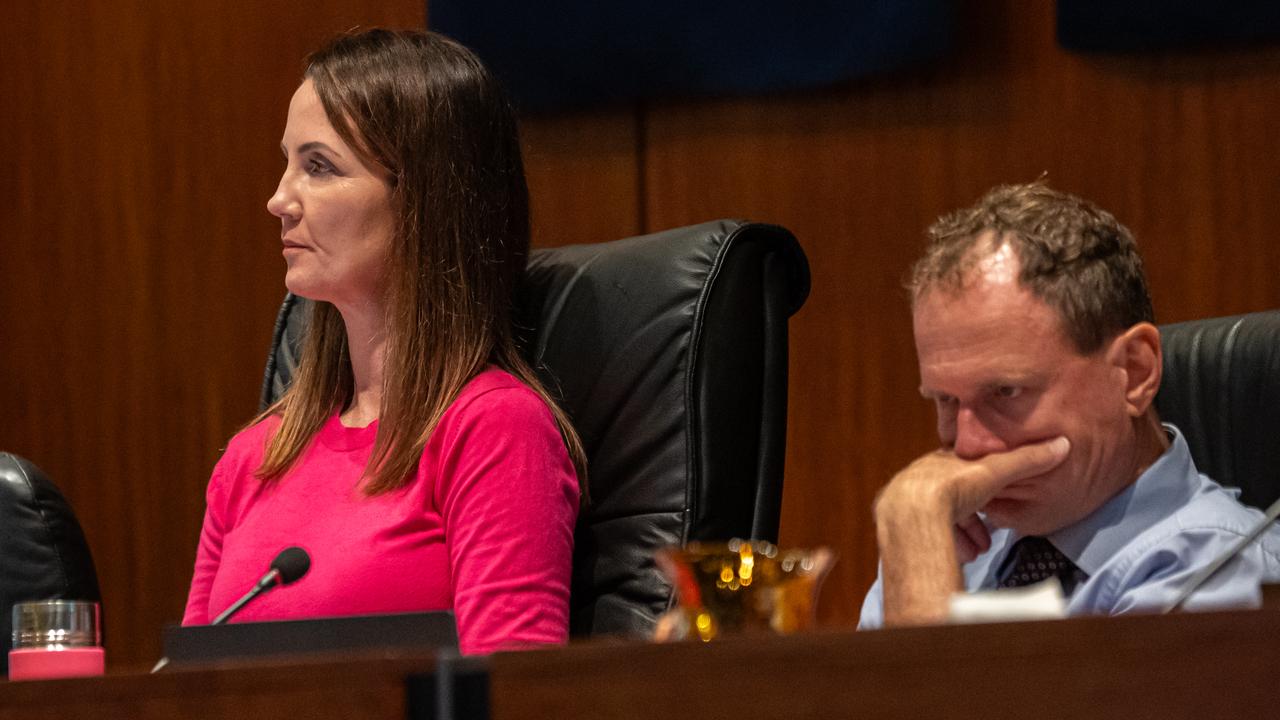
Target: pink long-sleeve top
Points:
x,y
485,528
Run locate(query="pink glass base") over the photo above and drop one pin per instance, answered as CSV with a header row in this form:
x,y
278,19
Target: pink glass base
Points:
x,y
44,663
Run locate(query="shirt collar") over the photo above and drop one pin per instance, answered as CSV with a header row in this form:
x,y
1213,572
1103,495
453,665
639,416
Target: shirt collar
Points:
x,y
1157,493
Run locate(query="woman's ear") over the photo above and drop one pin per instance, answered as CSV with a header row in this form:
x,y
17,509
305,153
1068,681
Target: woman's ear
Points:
x,y
1136,351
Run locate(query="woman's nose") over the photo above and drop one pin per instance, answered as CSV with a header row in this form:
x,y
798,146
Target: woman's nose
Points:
x,y
283,204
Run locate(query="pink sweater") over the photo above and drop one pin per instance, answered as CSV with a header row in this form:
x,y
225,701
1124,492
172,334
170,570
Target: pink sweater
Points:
x,y
485,528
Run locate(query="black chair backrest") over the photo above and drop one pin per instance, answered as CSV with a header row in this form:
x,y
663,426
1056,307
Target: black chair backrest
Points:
x,y
669,351
1221,387
43,552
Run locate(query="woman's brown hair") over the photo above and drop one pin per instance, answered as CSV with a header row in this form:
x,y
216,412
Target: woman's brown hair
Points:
x,y
426,110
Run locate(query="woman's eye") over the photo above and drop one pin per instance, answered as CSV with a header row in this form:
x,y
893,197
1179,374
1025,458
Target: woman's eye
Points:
x,y
318,167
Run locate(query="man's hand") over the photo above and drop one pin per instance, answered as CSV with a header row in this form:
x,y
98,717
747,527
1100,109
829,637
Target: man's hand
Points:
x,y
940,484
927,522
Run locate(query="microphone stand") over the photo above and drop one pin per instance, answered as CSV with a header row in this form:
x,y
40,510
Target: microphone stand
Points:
x,y
268,581
273,578
1208,571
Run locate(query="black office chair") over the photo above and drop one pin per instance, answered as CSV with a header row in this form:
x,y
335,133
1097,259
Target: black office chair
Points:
x,y
1221,387
669,351
43,552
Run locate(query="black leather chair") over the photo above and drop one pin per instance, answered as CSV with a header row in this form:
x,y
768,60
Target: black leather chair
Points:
x,y
1221,387
669,351
43,552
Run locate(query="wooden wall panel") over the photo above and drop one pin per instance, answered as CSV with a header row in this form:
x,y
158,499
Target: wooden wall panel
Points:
x,y
583,172
1178,147
141,269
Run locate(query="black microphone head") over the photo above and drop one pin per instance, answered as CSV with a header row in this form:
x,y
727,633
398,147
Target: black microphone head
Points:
x,y
292,563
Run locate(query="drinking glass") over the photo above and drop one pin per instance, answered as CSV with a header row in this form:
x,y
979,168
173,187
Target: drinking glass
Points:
x,y
56,639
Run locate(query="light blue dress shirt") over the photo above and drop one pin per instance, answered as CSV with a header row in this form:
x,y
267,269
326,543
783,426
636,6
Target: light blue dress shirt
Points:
x,y
1142,546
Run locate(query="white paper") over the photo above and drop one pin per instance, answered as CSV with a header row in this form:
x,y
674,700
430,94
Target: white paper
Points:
x,y
1042,601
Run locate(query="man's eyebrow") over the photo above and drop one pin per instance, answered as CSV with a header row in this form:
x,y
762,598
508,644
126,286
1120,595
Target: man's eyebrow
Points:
x,y
1017,379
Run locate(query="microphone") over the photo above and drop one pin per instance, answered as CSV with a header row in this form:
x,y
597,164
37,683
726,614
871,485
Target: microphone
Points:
x,y
288,567
1208,571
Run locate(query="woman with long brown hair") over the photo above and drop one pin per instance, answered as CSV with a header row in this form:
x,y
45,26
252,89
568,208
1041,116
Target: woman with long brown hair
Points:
x,y
416,457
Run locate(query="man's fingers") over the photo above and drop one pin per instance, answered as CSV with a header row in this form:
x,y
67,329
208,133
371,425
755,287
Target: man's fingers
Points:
x,y
1027,461
966,550
989,475
943,483
972,538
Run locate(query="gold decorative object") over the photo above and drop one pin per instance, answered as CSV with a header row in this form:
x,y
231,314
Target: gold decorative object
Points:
x,y
741,586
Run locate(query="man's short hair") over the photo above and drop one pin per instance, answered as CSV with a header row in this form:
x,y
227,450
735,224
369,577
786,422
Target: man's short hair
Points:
x,y
1075,256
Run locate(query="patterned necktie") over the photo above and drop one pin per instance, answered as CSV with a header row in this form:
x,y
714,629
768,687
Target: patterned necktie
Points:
x,y
1033,559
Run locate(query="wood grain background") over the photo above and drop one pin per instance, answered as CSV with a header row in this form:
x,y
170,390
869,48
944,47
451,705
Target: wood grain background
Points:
x,y
139,270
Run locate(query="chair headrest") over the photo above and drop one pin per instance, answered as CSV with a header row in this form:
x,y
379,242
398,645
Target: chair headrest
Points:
x,y
1221,387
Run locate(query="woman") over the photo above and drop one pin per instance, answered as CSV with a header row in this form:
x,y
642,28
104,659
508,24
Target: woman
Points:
x,y
416,457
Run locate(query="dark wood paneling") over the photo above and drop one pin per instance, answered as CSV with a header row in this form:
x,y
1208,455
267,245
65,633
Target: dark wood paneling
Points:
x,y
353,685
1178,147
141,269
1163,666
584,176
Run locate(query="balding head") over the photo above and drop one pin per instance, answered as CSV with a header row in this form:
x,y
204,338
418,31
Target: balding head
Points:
x,y
1070,253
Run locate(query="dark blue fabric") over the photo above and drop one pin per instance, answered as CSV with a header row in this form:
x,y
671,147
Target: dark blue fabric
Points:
x,y
1138,25
574,53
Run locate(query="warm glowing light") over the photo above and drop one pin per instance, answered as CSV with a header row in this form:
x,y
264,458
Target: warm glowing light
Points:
x,y
721,593
706,629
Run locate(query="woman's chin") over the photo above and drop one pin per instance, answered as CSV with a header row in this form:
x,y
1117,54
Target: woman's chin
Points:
x,y
302,286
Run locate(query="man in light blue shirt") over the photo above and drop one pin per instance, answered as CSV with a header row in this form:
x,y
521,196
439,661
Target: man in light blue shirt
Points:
x,y
1036,343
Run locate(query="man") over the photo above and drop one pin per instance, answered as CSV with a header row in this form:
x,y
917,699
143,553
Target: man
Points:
x,y
1035,338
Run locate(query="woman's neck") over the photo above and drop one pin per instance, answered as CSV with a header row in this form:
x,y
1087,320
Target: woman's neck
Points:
x,y
366,345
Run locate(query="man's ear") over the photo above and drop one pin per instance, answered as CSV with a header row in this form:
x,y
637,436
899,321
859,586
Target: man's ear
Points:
x,y
1136,351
